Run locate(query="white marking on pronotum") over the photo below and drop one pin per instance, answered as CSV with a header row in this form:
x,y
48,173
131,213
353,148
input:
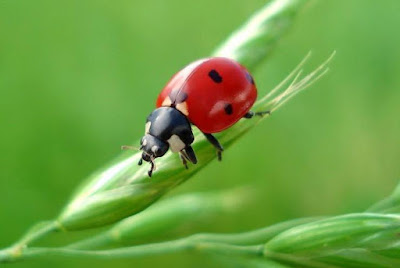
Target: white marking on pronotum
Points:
x,y
183,108
144,142
154,149
147,127
176,144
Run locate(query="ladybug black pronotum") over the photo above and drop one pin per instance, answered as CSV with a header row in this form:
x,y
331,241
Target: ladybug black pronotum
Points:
x,y
212,94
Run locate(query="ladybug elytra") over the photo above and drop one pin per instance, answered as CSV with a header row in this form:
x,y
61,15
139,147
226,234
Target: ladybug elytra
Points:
x,y
212,94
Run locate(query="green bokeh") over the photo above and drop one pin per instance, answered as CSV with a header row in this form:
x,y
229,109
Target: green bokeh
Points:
x,y
78,78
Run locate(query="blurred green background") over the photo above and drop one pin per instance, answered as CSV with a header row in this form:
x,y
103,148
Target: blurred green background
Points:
x,y
78,78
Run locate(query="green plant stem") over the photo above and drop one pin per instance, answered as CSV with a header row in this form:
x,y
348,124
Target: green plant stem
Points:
x,y
189,244
181,245
295,260
241,243
233,243
98,241
168,215
352,240
255,40
389,204
255,237
34,233
38,231
358,257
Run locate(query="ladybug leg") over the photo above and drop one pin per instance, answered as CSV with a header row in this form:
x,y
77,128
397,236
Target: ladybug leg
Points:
x,y
183,158
216,144
189,154
252,114
153,167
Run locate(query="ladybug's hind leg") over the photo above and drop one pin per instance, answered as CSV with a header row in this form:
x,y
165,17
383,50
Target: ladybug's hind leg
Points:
x,y
216,144
252,114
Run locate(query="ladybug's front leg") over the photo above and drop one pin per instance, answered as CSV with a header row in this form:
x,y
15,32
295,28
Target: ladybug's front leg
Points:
x,y
216,144
188,154
183,158
252,114
153,167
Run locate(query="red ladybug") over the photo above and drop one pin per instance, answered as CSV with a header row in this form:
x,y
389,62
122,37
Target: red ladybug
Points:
x,y
212,94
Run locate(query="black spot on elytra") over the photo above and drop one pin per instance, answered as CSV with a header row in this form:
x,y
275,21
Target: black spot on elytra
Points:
x,y
228,108
177,96
249,78
214,75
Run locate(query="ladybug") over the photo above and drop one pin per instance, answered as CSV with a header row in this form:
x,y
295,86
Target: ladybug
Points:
x,y
212,94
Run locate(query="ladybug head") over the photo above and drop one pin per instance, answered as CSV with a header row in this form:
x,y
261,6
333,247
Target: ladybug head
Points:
x,y
152,148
